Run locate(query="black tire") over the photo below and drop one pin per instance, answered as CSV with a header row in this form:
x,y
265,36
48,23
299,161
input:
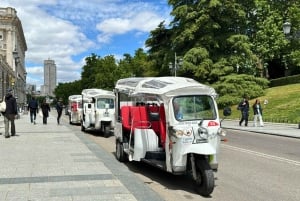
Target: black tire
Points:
x,y
82,127
205,182
106,131
120,154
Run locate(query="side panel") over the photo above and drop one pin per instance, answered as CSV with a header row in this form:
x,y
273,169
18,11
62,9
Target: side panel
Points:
x,y
144,140
89,115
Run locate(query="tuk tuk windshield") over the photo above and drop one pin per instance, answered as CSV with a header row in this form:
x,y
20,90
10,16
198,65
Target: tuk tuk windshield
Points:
x,y
102,101
188,108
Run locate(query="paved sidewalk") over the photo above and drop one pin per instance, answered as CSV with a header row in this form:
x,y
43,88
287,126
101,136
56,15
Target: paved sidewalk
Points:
x,y
288,130
52,162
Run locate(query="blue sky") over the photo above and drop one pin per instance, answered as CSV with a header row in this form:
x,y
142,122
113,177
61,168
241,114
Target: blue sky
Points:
x,y
67,31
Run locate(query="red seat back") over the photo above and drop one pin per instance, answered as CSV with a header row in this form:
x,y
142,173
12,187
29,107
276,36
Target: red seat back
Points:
x,y
162,125
125,115
139,117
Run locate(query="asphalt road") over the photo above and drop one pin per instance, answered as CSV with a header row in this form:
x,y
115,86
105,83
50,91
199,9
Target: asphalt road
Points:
x,y
252,167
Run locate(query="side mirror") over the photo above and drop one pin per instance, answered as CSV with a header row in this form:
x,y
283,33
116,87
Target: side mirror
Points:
x,y
227,111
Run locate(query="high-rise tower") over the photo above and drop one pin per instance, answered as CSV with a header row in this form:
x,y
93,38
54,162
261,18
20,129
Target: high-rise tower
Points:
x,y
49,77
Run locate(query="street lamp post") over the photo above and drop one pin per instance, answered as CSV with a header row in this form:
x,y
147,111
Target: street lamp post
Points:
x,y
286,30
177,64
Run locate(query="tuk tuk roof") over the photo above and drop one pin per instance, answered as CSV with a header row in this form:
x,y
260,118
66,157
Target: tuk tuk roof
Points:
x,y
168,86
93,93
75,97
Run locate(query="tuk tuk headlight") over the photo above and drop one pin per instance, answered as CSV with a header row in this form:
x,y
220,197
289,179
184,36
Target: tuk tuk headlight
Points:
x,y
203,133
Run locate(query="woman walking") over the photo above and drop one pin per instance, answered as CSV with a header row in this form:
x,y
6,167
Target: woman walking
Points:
x,y
257,109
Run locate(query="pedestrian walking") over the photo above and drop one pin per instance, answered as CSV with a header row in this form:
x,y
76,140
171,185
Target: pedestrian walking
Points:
x,y
45,111
33,107
59,108
244,108
257,109
10,113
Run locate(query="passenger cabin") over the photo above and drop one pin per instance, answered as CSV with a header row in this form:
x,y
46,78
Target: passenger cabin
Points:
x,y
145,116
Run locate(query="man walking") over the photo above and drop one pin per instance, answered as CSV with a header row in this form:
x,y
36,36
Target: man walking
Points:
x,y
59,108
10,113
244,107
32,107
45,110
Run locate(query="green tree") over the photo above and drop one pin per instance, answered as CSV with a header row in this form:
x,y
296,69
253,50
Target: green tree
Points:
x,y
213,38
276,51
64,90
89,71
159,44
105,73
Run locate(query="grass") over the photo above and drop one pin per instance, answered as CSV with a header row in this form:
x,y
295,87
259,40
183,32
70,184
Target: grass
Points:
x,y
283,105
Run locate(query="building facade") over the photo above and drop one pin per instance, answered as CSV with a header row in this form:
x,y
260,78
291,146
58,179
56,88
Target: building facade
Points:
x,y
49,77
12,55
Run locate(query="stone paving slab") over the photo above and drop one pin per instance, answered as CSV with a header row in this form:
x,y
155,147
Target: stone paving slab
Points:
x,y
51,162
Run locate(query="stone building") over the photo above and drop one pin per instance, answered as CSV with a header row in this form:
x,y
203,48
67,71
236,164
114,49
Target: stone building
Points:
x,y
12,55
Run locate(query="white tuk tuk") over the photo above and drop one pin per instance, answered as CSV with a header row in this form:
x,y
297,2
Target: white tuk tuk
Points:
x,y
74,109
98,111
171,123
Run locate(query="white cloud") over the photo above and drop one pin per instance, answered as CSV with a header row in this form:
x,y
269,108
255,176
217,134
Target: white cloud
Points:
x,y
144,21
67,30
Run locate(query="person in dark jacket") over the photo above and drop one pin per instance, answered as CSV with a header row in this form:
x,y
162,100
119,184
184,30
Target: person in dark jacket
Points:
x,y
244,108
33,107
10,113
45,110
59,108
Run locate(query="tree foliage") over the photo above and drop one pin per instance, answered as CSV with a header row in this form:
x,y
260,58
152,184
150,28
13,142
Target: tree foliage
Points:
x,y
233,45
224,39
64,90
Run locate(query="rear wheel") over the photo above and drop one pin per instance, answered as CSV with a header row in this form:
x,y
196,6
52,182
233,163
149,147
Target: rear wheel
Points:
x,y
205,181
82,127
120,154
106,131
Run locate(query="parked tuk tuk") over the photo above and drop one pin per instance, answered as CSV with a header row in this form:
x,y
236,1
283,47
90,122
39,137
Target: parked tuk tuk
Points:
x,y
171,123
98,111
74,109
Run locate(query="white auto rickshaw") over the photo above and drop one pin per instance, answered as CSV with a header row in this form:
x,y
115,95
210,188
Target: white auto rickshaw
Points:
x,y
98,111
171,123
74,109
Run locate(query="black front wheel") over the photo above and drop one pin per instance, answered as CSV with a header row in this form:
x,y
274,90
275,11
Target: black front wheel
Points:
x,y
205,181
120,153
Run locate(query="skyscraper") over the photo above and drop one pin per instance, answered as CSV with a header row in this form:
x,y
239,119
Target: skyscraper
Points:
x,y
49,77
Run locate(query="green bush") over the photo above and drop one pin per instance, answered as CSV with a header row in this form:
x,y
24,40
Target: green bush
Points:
x,y
233,88
285,81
